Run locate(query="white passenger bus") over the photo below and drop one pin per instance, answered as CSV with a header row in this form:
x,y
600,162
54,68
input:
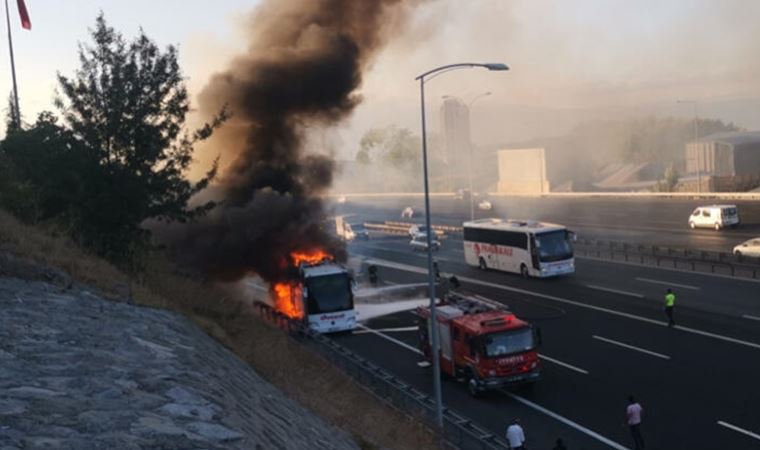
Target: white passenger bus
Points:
x,y
532,249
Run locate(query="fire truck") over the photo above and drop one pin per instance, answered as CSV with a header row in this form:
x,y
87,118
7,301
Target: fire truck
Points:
x,y
482,343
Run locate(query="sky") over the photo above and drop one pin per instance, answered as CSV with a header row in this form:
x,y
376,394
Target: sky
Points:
x,y
569,61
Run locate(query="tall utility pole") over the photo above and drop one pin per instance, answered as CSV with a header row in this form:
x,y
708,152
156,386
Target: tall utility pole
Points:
x,y
469,164
697,148
17,111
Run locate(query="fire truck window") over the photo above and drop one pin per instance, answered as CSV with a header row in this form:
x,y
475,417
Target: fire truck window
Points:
x,y
506,342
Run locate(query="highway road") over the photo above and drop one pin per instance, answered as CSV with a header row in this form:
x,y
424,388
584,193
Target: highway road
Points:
x,y
604,337
658,221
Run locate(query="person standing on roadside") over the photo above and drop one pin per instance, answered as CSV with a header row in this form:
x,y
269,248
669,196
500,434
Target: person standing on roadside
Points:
x,y
670,303
633,419
515,435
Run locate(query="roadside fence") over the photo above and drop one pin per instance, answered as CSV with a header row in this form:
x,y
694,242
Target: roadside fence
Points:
x,y
739,266
458,431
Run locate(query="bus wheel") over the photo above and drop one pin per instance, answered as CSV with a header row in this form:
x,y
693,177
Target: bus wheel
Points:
x,y
482,264
524,271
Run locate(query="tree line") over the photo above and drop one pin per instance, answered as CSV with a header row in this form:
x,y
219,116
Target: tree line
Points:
x,y
115,154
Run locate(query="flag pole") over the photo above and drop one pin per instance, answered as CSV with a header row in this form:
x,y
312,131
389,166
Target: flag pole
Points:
x,y
17,115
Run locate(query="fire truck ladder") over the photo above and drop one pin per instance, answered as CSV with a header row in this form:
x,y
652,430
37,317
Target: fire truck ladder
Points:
x,y
475,304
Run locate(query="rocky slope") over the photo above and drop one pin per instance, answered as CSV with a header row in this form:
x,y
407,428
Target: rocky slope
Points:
x,y
81,372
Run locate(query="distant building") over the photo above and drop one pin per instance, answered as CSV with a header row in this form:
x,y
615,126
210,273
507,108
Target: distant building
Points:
x,y
523,171
456,148
732,154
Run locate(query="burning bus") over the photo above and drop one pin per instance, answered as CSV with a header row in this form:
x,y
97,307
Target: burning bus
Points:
x,y
322,295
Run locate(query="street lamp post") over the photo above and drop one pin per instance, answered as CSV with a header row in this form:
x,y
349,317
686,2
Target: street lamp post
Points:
x,y
696,144
428,238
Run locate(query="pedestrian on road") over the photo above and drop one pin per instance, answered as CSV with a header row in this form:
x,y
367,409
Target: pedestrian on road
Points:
x,y
559,445
633,419
670,303
515,435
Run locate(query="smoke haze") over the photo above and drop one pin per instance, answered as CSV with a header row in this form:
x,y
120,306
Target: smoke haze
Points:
x,y
301,72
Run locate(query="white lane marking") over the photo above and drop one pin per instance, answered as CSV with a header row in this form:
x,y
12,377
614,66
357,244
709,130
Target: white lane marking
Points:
x,y
392,283
747,316
740,430
388,338
638,349
671,269
566,365
386,330
667,283
522,400
414,269
566,421
615,291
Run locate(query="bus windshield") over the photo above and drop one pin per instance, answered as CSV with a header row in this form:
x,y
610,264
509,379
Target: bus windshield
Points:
x,y
507,342
329,293
554,246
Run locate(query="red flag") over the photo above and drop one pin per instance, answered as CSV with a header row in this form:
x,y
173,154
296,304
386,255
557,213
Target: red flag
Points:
x,y
25,22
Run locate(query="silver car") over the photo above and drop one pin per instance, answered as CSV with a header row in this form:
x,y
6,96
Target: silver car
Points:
x,y
419,243
748,248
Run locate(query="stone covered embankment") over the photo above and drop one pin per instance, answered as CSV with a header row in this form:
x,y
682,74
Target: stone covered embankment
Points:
x,y
80,372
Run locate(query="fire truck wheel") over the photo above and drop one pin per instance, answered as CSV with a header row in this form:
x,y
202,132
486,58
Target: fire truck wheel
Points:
x,y
482,264
524,271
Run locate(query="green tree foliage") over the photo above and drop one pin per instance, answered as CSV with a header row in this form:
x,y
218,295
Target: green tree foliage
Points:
x,y
669,181
397,147
121,155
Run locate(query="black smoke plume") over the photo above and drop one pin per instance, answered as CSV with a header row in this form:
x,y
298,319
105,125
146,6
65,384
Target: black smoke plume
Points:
x,y
302,69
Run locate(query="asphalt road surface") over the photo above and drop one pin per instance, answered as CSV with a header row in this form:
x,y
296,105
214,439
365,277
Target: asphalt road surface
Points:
x,y
658,221
604,337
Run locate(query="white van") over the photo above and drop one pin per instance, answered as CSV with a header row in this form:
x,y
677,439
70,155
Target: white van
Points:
x,y
714,216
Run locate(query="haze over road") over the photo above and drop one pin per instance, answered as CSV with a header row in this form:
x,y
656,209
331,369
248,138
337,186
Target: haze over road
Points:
x,y
604,336
648,221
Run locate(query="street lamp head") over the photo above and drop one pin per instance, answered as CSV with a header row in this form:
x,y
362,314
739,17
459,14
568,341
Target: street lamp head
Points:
x,y
496,66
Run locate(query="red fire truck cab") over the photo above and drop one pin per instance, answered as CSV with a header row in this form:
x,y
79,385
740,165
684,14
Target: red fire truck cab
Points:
x,y
482,343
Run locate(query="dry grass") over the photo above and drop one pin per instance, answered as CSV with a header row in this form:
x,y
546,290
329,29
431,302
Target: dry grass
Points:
x,y
301,374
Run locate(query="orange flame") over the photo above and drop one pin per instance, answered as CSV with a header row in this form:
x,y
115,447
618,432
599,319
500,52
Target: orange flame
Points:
x,y
287,300
309,257
288,296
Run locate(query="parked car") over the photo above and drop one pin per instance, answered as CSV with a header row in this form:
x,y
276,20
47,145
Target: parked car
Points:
x,y
715,216
485,205
748,248
419,243
407,213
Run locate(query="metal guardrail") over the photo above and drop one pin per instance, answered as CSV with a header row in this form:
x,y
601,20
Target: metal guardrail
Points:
x,y
459,432
672,257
